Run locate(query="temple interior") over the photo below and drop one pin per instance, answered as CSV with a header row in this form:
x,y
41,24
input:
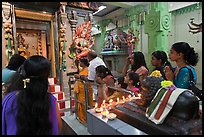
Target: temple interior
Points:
x,y
63,32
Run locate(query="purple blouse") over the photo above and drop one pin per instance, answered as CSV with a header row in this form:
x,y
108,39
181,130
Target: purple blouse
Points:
x,y
9,113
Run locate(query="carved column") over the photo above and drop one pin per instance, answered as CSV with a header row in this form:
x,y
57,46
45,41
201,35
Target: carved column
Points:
x,y
157,26
39,46
72,16
7,24
62,38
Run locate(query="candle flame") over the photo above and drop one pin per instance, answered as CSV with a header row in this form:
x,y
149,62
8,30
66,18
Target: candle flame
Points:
x,y
139,95
103,102
118,100
123,98
129,96
110,101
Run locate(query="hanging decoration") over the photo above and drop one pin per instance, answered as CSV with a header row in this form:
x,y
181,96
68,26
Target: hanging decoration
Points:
x,y
194,27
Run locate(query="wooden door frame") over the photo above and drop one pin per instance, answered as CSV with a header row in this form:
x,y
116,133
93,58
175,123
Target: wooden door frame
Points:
x,y
24,14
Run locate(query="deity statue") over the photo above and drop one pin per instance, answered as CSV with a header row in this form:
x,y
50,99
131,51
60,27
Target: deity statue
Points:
x,y
131,40
108,42
82,41
119,39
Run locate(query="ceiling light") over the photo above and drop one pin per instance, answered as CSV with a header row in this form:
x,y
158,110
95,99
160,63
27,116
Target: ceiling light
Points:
x,y
99,9
44,12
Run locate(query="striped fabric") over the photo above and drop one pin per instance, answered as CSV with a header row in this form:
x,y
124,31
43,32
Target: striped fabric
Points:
x,y
161,104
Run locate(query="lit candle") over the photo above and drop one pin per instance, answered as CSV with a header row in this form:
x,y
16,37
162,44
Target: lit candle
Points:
x,y
103,103
139,95
117,100
107,112
110,101
123,98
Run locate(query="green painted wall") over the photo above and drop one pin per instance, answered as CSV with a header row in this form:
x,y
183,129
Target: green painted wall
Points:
x,y
157,27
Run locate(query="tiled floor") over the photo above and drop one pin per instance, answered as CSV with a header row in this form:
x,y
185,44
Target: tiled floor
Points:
x,y
76,126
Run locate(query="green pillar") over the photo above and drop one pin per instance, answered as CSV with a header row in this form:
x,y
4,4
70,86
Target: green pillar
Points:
x,y
157,26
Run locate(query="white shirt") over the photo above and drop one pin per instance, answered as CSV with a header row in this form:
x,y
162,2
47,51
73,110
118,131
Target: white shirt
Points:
x,y
92,70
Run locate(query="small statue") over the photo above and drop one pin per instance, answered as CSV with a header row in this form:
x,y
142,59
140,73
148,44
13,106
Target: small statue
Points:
x,y
108,42
131,40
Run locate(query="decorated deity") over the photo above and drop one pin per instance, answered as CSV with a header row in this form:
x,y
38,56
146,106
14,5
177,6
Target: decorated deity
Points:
x,y
82,41
131,40
108,42
119,39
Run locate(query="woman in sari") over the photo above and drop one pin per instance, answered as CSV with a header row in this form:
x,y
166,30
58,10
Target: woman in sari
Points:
x,y
80,92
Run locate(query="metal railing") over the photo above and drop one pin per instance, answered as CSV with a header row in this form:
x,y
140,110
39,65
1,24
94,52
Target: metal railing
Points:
x,y
71,82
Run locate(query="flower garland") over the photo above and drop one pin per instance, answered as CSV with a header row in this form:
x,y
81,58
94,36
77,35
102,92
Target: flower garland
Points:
x,y
168,85
156,73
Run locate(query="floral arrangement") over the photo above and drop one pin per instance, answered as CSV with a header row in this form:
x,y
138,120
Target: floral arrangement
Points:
x,y
168,85
156,73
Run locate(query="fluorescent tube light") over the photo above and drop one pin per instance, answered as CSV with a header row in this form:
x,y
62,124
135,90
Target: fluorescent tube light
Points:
x,y
99,9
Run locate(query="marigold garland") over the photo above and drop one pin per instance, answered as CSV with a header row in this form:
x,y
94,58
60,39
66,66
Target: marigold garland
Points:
x,y
156,73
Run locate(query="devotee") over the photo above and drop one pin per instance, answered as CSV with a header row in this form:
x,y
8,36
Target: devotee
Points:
x,y
14,63
29,108
120,83
94,61
79,90
159,61
184,56
104,76
138,65
132,81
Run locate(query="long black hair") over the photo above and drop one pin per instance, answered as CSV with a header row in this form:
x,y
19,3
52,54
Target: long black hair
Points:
x,y
85,61
161,55
103,70
135,78
190,56
15,62
139,60
33,101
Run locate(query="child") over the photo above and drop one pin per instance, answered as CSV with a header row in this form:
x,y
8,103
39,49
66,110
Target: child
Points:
x,y
120,83
132,81
159,61
105,78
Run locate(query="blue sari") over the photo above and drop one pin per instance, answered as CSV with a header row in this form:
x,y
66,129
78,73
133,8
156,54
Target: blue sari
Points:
x,y
182,80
